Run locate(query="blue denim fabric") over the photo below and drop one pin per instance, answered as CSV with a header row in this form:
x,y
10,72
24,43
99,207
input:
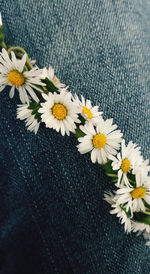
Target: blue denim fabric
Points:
x,y
53,218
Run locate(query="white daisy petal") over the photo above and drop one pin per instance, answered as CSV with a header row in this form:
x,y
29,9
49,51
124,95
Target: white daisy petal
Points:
x,y
23,112
2,87
110,198
93,156
14,60
22,63
12,92
21,95
1,19
32,94
12,74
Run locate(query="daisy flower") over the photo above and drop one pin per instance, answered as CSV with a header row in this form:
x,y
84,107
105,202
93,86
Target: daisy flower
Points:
x,y
122,217
32,123
125,160
133,198
12,73
121,214
143,229
109,197
49,73
59,112
102,140
140,227
141,168
86,110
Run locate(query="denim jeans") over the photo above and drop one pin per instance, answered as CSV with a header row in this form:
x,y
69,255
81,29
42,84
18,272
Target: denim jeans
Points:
x,y
53,218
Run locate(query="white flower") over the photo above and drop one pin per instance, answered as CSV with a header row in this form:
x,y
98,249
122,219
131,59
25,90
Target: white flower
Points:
x,y
147,237
132,198
136,227
125,160
49,73
86,110
102,141
23,112
109,197
59,112
143,229
121,214
1,19
12,73
141,168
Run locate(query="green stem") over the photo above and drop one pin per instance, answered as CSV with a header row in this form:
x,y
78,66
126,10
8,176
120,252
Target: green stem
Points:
x,y
146,212
45,90
112,175
131,181
23,51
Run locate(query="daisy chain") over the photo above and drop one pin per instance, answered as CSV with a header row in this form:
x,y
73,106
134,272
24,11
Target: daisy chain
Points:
x,y
45,99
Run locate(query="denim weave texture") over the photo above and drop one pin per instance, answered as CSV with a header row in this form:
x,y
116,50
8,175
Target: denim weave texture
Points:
x,y
53,218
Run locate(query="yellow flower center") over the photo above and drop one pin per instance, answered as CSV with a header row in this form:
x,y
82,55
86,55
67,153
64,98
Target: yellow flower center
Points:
x,y
59,111
15,78
99,140
87,112
55,80
138,192
125,165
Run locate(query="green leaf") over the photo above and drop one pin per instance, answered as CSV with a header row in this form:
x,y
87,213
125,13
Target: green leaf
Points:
x,y
128,213
146,205
38,116
141,218
114,180
108,168
131,178
81,118
50,86
79,133
1,36
110,172
35,107
34,111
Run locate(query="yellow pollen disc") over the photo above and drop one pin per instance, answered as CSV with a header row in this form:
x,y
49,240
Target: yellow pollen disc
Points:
x,y
59,111
87,112
55,80
125,165
138,192
15,78
99,140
